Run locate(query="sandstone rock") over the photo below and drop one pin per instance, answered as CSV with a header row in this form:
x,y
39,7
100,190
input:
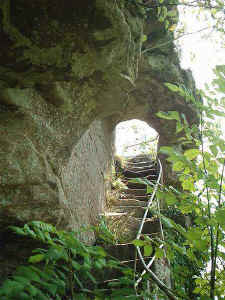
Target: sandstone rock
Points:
x,y
70,71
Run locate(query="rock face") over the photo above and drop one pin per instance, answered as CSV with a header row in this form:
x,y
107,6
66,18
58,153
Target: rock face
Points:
x,y
70,71
85,177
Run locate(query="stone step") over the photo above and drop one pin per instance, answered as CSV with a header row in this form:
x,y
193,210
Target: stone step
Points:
x,y
128,196
151,225
140,158
126,253
141,198
137,192
134,198
113,214
135,185
139,170
138,185
139,164
130,202
149,177
122,251
130,175
135,211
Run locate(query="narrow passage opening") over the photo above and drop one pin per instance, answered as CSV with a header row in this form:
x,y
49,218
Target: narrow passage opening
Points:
x,y
135,137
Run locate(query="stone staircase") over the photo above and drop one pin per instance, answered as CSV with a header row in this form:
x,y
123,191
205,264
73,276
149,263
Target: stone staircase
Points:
x,y
130,209
135,195
133,199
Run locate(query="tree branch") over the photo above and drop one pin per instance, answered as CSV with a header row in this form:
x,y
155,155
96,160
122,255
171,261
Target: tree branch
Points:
x,y
174,39
149,141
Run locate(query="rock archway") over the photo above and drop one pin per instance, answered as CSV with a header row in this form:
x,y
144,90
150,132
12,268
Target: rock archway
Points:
x,y
69,73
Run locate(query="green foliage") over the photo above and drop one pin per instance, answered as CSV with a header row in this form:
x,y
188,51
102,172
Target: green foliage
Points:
x,y
199,164
184,268
104,234
166,10
65,268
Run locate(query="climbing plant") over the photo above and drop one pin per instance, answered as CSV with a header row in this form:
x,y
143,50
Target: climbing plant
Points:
x,y
199,164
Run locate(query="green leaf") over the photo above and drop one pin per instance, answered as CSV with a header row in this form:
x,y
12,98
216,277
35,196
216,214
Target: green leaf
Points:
x,y
23,296
29,231
178,248
78,281
167,222
27,272
36,258
56,253
33,291
22,279
91,277
10,287
201,245
75,265
172,13
178,166
159,253
51,288
46,275
197,290
194,234
191,255
148,250
222,255
170,199
172,87
42,296
171,224
138,243
188,184
144,38
166,150
137,180
220,216
170,115
17,230
191,153
179,127
149,189
101,251
187,170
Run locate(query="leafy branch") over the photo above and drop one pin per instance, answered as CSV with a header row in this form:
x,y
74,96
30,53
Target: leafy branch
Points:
x,y
200,170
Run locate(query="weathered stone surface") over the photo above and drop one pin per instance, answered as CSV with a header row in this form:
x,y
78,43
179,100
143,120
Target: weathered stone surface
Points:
x,y
71,196
84,177
46,41
70,71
